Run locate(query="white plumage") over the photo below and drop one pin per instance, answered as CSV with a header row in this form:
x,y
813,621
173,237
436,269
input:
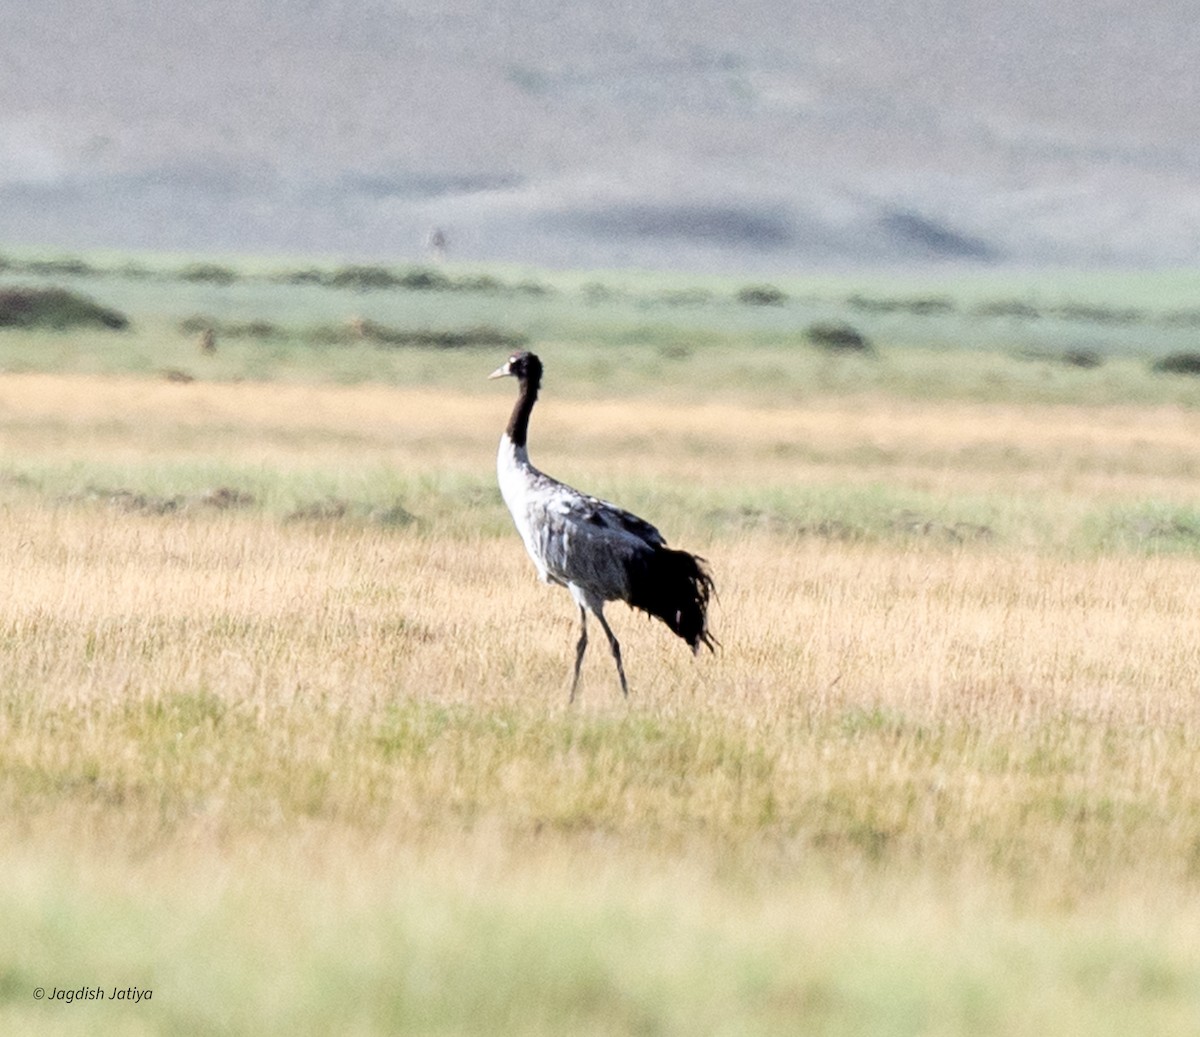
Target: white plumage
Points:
x,y
598,551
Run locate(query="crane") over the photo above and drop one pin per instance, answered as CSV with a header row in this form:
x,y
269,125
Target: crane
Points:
x,y
598,551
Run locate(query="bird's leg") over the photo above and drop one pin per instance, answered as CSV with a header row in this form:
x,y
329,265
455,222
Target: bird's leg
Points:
x,y
579,649
615,645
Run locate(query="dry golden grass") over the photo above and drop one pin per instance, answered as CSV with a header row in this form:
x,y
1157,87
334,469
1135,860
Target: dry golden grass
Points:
x,y
1121,449
321,776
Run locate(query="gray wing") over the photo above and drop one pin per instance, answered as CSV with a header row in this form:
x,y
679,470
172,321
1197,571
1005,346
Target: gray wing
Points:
x,y
589,542
563,505
597,512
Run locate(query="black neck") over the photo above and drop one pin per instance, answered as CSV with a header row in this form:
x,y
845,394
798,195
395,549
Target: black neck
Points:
x,y
518,424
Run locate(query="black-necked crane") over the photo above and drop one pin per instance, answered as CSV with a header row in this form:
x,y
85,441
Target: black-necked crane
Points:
x,y
598,551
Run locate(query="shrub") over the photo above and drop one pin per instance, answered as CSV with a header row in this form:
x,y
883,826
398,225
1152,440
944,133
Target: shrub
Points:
x,y
415,279
363,277
484,335
195,324
837,338
920,307
1082,358
65,267
1188,318
212,273
1098,314
55,308
422,279
930,306
362,330
367,278
532,288
480,283
595,292
308,276
761,295
1177,363
1008,308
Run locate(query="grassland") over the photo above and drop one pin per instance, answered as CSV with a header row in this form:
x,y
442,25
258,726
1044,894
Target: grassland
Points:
x,y
283,725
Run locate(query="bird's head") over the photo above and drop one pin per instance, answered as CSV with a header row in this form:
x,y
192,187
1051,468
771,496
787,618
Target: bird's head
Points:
x,y
522,365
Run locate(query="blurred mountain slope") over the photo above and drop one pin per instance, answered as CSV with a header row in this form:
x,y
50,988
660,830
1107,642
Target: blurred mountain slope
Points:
x,y
764,134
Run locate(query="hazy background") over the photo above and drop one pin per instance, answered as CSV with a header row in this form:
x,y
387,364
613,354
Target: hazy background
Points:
x,y
758,135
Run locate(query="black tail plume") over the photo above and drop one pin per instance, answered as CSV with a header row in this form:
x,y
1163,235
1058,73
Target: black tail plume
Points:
x,y
674,586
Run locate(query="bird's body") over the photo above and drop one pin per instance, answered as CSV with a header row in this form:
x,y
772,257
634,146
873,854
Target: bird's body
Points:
x,y
598,551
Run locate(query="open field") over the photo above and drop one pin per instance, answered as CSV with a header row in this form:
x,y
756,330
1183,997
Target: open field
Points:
x,y
988,336
283,712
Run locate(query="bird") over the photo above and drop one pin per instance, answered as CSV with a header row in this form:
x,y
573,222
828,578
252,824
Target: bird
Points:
x,y
435,244
598,551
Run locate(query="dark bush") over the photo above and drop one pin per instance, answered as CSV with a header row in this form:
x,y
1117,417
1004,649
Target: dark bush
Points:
x,y
1177,363
930,306
361,330
1189,318
761,295
921,307
309,276
480,336
422,279
1008,308
532,288
196,324
55,308
368,278
64,267
211,273
363,277
480,283
1082,358
595,292
838,338
1098,314
414,279
254,329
